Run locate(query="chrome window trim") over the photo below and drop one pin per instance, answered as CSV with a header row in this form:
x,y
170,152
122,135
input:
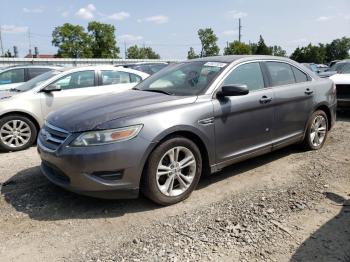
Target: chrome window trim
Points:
x,y
220,79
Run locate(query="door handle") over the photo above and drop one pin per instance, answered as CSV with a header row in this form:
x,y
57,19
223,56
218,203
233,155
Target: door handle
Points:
x,y
308,91
265,100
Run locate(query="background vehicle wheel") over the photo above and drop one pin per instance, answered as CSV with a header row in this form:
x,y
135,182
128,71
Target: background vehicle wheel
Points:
x,y
317,131
173,171
16,133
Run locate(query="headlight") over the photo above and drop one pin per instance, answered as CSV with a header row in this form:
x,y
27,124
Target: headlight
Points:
x,y
102,137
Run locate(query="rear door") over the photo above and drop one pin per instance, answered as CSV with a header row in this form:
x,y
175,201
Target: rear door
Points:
x,y
293,96
34,72
114,81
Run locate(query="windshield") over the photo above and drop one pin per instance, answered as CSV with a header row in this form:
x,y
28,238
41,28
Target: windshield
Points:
x,y
36,81
337,67
183,79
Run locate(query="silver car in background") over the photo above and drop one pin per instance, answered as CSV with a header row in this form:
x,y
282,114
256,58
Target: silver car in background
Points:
x,y
13,76
23,109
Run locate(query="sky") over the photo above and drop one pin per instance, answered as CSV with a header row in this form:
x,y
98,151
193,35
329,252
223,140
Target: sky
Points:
x,y
170,27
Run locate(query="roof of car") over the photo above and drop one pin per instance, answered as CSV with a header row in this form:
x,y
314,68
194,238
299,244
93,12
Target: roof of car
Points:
x,y
232,58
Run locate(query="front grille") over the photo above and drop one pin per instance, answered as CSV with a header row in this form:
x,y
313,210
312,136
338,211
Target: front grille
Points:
x,y
52,137
343,91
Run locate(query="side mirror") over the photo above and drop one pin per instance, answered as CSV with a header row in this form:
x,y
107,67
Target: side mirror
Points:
x,y
233,90
51,88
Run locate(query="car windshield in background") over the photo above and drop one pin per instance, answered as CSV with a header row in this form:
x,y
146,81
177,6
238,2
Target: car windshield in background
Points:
x,y
337,67
36,81
183,79
149,69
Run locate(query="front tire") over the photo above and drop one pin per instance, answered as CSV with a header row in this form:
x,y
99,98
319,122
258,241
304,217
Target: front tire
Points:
x,y
317,131
173,171
16,133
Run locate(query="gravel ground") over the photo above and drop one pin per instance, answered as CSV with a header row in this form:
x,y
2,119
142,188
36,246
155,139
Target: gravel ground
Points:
x,y
289,205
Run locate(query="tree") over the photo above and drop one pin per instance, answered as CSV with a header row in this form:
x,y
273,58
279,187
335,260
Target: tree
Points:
x,y
278,51
237,48
262,48
208,40
338,49
7,54
103,42
310,54
72,41
135,52
191,54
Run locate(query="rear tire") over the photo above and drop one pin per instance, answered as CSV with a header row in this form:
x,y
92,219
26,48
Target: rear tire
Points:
x,y
317,131
16,133
173,171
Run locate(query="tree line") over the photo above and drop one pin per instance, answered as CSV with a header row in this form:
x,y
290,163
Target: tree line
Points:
x,y
98,41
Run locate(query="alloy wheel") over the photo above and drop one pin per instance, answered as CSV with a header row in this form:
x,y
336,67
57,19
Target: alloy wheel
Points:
x,y
15,133
318,130
176,171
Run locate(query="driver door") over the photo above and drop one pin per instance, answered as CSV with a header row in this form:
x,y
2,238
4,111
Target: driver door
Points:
x,y
243,123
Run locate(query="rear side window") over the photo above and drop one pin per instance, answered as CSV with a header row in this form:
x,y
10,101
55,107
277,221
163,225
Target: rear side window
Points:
x,y
12,76
299,75
281,73
34,72
76,80
110,77
248,74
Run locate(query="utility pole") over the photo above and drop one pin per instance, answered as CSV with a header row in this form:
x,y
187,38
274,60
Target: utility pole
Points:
x,y
1,46
239,30
125,51
30,44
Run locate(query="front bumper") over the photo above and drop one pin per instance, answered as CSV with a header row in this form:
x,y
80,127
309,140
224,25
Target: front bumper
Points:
x,y
108,171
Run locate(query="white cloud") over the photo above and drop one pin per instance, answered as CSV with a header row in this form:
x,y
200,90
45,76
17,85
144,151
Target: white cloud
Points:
x,y
32,10
87,12
157,19
130,38
118,16
12,29
234,14
323,18
230,32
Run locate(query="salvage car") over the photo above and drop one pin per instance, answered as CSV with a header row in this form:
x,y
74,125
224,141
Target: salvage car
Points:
x,y
342,82
24,108
149,68
189,119
11,77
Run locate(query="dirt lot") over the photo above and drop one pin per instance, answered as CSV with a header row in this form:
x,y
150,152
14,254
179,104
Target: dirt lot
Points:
x,y
287,205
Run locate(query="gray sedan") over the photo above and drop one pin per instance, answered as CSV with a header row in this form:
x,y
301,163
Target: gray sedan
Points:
x,y
191,118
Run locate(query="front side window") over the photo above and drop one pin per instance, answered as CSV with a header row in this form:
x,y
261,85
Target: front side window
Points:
x,y
12,76
34,72
281,73
183,79
76,80
110,77
248,74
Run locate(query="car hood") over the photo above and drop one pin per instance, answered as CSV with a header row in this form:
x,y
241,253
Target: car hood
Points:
x,y
341,79
89,114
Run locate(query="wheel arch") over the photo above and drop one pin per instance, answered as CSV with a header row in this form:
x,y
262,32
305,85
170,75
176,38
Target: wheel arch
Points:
x,y
326,109
24,114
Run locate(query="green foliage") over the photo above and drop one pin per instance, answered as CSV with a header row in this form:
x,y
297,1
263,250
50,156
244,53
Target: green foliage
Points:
x,y
310,54
338,49
72,41
135,52
237,48
191,54
262,48
7,54
208,40
278,51
103,42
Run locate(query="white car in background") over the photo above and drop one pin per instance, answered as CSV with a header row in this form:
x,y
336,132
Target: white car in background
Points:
x,y
13,76
23,109
342,82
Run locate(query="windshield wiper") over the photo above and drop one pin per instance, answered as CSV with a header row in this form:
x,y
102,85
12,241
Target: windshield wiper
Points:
x,y
158,91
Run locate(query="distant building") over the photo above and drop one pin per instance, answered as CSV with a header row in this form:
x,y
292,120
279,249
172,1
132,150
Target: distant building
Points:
x,y
39,56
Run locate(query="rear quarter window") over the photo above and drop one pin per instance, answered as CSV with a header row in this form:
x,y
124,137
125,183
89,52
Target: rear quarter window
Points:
x,y
299,75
